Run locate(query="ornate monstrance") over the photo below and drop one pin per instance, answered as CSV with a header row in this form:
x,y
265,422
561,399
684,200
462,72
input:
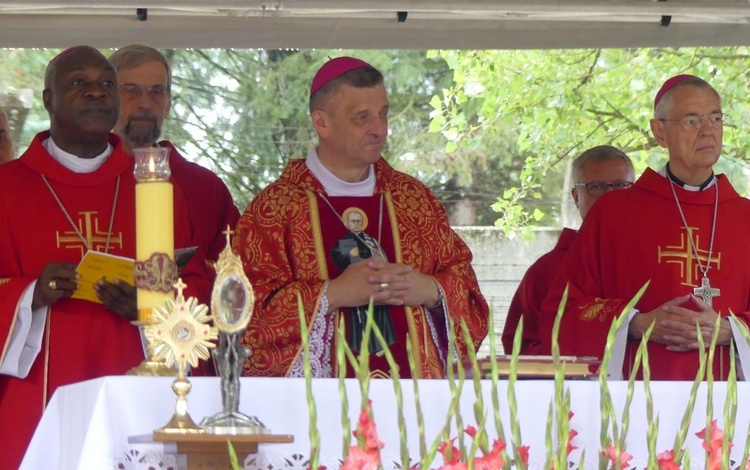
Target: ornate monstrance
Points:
x,y
232,303
180,334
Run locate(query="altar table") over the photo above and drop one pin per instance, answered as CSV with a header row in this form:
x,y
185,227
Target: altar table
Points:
x,y
88,425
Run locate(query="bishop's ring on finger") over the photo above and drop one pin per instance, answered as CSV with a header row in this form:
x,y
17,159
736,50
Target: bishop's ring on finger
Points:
x,y
383,286
52,284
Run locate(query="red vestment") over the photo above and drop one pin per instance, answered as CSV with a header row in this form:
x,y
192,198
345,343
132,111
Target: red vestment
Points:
x,y
286,235
82,340
633,236
527,301
208,200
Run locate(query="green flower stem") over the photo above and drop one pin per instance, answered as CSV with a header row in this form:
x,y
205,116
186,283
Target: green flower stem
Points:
x,y
629,397
480,415
341,346
494,394
561,410
420,415
745,334
679,440
710,383
314,433
653,424
515,427
605,398
549,462
404,448
459,418
730,408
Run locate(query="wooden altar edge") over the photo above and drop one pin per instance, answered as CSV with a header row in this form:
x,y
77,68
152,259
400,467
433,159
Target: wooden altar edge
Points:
x,y
209,443
537,367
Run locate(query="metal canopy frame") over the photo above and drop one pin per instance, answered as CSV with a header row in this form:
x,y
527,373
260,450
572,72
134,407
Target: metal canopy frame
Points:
x,y
381,24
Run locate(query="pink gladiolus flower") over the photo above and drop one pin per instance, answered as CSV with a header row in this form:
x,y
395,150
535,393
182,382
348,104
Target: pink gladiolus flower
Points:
x,y
611,454
488,462
523,454
716,435
573,433
359,459
497,446
471,431
455,466
713,447
366,429
665,460
455,454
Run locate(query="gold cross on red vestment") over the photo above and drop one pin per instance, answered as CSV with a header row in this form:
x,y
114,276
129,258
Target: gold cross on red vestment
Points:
x,y
88,224
684,256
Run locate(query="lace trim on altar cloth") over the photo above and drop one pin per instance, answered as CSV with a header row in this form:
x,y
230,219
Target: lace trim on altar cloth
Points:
x,y
134,459
320,340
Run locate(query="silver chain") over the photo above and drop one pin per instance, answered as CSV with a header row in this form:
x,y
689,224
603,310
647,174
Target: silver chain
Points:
x,y
73,224
713,228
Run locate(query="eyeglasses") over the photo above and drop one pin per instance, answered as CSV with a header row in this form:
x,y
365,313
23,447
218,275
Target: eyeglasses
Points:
x,y
597,188
156,93
692,122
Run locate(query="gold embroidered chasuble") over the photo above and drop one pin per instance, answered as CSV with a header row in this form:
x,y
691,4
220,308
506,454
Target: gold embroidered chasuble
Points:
x,y
281,243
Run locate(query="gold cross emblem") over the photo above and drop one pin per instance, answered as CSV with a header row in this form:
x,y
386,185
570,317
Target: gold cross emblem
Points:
x,y
88,225
683,256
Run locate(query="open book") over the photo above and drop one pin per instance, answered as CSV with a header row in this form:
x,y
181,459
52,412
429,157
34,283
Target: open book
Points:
x,y
538,367
96,265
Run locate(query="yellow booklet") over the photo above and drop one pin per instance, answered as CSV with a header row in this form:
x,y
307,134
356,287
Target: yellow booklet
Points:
x,y
96,265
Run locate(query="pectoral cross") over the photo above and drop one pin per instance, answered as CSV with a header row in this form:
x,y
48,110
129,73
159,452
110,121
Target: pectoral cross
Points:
x,y
706,291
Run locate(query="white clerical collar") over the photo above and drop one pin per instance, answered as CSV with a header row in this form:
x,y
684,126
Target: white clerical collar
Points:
x,y
335,186
688,187
75,163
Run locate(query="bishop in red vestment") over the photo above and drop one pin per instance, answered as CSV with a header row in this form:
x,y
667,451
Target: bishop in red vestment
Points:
x,y
298,237
674,228
51,216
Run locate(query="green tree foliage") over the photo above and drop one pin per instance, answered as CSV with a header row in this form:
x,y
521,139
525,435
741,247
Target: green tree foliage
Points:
x,y
558,103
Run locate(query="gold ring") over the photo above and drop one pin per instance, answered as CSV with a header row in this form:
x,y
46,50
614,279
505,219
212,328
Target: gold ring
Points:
x,y
53,284
383,286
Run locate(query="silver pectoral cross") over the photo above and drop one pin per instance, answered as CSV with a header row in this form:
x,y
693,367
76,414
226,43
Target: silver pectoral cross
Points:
x,y
706,291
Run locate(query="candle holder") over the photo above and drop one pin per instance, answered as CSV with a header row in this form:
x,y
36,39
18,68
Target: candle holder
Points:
x,y
151,164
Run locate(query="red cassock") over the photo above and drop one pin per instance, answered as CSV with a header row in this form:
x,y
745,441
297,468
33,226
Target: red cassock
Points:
x,y
637,235
208,200
82,340
527,301
289,237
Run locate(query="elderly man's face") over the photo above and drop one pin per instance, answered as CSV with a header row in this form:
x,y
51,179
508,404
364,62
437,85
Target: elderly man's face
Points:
x,y
604,173
83,99
692,153
144,104
6,146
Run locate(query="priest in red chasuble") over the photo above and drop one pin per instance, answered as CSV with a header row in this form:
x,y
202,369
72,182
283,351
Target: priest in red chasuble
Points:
x,y
341,227
596,171
72,191
145,101
682,228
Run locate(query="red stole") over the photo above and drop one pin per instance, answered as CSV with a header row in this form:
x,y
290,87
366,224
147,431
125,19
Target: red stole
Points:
x,y
333,230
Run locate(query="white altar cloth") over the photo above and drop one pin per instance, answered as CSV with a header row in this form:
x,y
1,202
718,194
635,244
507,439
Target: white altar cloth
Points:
x,y
87,425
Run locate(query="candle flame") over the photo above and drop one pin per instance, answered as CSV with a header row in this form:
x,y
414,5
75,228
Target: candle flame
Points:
x,y
151,165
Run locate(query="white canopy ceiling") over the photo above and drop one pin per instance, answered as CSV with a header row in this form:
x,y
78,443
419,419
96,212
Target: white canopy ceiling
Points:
x,y
370,24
